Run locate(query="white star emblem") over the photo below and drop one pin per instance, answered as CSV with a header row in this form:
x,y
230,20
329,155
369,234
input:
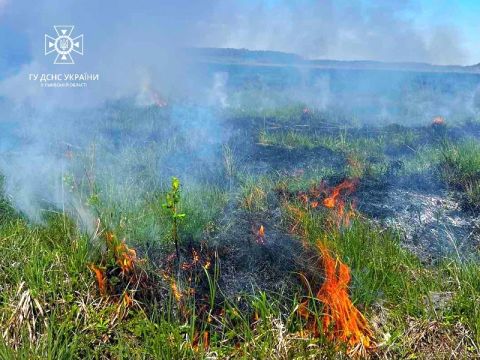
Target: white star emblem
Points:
x,y
64,44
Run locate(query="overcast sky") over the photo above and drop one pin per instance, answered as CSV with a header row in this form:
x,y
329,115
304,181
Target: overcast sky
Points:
x,y
434,31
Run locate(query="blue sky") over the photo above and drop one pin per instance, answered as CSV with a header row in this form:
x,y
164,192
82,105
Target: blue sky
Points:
x,y
462,14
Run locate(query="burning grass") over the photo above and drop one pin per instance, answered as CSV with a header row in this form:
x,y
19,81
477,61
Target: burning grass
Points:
x,y
66,295
118,276
342,321
201,323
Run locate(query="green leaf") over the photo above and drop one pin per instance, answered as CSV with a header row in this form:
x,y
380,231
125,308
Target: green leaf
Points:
x,y
175,184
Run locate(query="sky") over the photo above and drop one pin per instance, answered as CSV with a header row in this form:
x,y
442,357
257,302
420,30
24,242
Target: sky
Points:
x,y
432,31
439,32
463,15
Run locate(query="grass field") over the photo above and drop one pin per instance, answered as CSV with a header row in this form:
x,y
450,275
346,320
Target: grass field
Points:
x,y
102,278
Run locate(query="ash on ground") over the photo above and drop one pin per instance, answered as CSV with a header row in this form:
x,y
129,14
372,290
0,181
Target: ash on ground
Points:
x,y
432,225
272,263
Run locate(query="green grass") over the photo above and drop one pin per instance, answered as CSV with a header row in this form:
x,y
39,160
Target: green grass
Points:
x,y
425,159
465,284
460,165
48,262
342,142
305,179
290,140
47,266
254,191
6,210
50,307
462,161
381,269
126,194
387,276
364,155
43,272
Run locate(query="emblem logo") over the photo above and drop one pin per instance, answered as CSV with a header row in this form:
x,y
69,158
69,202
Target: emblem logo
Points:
x,y
64,44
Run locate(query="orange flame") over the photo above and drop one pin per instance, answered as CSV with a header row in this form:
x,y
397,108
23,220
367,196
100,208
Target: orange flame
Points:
x,y
206,337
101,279
261,231
127,300
176,292
195,260
125,257
261,235
205,341
342,320
348,186
335,201
330,201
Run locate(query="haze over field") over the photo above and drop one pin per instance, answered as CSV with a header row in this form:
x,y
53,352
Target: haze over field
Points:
x,y
239,179
157,62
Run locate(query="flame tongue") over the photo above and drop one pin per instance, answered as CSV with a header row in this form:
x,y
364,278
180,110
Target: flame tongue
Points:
x,y
330,201
347,186
342,320
101,279
260,238
333,198
261,231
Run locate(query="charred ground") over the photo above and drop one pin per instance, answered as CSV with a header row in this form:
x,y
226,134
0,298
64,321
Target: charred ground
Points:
x,y
252,221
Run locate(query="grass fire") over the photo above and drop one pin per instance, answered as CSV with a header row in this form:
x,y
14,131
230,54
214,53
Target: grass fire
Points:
x,y
184,201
